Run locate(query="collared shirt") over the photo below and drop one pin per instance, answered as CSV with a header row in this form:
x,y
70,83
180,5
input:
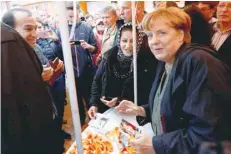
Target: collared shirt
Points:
x,y
212,20
219,37
108,39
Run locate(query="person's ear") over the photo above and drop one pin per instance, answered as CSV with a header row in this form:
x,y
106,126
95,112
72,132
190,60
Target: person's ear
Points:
x,y
181,36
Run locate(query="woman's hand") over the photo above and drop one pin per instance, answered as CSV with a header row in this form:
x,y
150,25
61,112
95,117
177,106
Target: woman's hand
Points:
x,y
92,111
110,103
143,145
129,107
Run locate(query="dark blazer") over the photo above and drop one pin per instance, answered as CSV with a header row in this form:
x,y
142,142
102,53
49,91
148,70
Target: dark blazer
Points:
x,y
196,102
27,117
224,52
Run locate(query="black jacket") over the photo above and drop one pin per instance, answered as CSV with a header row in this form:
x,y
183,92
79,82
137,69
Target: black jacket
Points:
x,y
146,66
224,52
27,118
196,102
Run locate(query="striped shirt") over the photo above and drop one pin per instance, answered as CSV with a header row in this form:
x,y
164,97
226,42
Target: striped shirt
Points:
x,y
219,37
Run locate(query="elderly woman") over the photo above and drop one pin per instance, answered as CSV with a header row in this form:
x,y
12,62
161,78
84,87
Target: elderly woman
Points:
x,y
190,97
114,78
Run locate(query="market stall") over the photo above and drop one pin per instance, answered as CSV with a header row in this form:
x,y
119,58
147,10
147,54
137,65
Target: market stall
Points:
x,y
111,132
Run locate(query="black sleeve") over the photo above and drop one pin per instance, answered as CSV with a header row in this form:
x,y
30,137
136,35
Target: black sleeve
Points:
x,y
96,89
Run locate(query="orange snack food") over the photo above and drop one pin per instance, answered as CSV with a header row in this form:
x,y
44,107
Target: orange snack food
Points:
x,y
95,144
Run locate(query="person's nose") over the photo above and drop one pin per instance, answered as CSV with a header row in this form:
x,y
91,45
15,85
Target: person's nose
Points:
x,y
34,33
154,40
128,45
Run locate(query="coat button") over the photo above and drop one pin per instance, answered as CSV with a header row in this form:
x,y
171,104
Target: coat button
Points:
x,y
145,70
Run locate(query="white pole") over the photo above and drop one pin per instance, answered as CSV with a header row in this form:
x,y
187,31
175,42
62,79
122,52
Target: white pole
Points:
x,y
134,50
70,75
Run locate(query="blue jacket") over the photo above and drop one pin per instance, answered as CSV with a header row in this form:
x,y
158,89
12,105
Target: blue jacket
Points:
x,y
51,49
82,32
196,102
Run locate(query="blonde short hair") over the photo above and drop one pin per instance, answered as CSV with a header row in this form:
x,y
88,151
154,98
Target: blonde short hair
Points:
x,y
174,17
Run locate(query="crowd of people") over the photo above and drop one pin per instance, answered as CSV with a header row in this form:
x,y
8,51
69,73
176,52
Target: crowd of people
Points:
x,y
183,75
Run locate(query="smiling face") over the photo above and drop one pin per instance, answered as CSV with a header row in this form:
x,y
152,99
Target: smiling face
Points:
x,y
26,26
126,42
164,41
224,12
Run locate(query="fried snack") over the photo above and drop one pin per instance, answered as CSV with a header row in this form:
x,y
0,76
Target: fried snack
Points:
x,y
95,144
116,133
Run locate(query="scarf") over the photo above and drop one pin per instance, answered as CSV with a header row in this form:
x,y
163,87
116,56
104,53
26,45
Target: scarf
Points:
x,y
125,65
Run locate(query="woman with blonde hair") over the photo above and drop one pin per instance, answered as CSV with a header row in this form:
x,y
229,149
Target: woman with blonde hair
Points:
x,y
190,98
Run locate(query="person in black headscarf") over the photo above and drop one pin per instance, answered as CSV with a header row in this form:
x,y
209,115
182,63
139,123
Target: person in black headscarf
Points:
x,y
113,81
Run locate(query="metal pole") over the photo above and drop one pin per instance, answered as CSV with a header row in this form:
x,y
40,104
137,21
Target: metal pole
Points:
x,y
70,75
134,51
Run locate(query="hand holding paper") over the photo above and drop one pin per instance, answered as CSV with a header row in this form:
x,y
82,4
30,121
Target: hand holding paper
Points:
x,y
92,111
